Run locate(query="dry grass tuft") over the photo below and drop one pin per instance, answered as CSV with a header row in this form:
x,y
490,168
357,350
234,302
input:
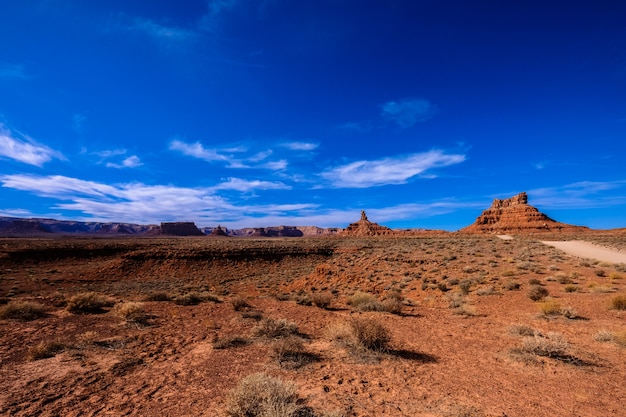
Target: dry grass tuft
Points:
x,y
194,298
230,342
158,296
22,310
552,346
549,308
370,334
321,300
290,353
521,330
619,302
260,395
88,302
44,350
240,304
274,329
537,292
362,301
132,312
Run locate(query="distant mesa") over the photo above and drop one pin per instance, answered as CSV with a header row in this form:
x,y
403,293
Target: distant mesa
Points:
x,y
364,227
218,231
180,229
513,215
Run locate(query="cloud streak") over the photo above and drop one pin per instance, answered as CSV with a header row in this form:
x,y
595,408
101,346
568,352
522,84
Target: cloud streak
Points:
x,y
161,32
390,170
407,113
24,149
132,161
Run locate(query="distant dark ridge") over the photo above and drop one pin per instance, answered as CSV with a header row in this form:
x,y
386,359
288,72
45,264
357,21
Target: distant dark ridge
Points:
x,y
180,229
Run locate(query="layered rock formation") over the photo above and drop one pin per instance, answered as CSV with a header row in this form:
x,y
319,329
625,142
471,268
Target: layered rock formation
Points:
x,y
514,215
364,227
180,229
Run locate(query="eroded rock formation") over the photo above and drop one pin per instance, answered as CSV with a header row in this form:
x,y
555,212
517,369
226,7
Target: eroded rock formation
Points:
x,y
180,229
514,215
364,227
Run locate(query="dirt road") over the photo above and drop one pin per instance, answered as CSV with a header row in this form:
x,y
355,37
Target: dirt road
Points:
x,y
588,250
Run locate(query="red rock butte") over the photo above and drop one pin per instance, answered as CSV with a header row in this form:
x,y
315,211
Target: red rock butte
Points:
x,y
515,215
364,227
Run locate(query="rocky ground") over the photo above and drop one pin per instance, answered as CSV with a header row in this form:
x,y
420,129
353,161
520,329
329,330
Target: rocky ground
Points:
x,y
470,325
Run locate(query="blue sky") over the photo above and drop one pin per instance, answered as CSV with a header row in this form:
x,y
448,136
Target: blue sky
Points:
x,y
269,112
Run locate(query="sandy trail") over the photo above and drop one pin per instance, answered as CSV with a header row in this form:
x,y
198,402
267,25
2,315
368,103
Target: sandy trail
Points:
x,y
588,250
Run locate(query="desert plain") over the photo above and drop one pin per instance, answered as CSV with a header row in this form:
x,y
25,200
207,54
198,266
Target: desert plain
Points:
x,y
435,325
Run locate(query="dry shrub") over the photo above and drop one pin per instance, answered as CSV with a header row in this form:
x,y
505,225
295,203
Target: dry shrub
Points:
x,y
489,290
393,303
571,288
86,339
620,338
549,308
45,349
290,353
521,330
239,304
230,342
603,336
132,312
260,395
274,329
321,300
362,301
511,286
619,302
158,296
22,310
552,346
340,332
88,302
537,292
370,334
190,299
465,310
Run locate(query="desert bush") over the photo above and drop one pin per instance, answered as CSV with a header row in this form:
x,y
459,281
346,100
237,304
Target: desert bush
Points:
x,y
534,281
570,313
239,304
571,288
600,272
88,302
393,303
364,302
370,334
339,332
521,330
274,329
511,285
549,307
603,336
465,286
321,300
44,350
552,346
86,339
490,290
537,292
22,310
230,342
189,299
620,338
290,353
619,302
260,395
158,296
595,288
132,312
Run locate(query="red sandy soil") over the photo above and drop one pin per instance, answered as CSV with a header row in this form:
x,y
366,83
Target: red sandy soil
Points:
x,y
450,354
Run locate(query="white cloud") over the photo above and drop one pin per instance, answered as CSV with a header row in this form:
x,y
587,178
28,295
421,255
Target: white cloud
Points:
x,y
24,149
196,150
579,195
141,203
406,113
130,162
242,185
391,170
301,146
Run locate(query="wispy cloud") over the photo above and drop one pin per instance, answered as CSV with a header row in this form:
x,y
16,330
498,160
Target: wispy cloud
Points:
x,y
12,71
580,195
24,149
257,160
140,203
301,146
216,8
391,170
132,161
406,113
243,186
161,32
